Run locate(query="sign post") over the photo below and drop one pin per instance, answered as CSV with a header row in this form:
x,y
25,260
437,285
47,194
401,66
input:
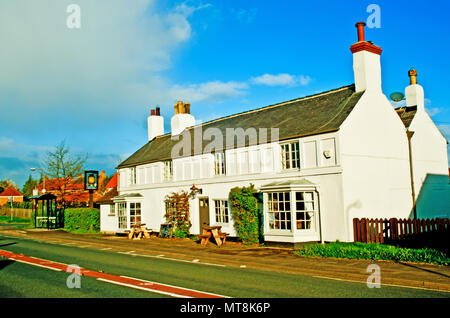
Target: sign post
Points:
x,y
91,184
11,199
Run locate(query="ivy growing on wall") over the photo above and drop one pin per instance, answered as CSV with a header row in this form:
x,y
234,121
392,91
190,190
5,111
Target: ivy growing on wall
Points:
x,y
244,211
177,213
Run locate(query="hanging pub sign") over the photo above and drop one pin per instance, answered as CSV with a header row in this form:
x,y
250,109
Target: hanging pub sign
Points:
x,y
91,180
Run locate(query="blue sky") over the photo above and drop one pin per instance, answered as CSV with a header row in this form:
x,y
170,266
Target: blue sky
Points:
x,y
94,87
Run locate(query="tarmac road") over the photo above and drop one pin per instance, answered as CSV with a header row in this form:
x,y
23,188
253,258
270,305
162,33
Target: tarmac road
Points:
x,y
224,271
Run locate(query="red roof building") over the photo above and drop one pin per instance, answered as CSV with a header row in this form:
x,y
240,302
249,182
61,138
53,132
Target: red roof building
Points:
x,y
74,189
10,192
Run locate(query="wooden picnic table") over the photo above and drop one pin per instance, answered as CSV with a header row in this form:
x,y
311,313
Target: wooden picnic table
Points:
x,y
214,231
139,231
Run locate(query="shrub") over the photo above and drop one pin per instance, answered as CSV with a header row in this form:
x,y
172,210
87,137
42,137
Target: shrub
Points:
x,y
177,213
82,219
244,210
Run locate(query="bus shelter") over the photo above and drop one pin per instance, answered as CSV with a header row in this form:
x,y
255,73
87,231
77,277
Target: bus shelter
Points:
x,y
46,213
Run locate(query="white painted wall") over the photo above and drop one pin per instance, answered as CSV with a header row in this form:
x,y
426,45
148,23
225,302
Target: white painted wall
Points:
x,y
374,158
258,164
108,221
430,167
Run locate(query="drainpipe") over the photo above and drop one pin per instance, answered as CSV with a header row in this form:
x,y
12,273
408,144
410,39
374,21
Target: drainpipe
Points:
x,y
320,219
409,134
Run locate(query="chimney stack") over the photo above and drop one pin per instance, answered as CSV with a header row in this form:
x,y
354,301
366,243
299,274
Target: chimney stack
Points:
x,y
155,124
182,118
414,92
366,63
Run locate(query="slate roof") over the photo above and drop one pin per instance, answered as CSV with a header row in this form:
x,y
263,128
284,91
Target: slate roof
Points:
x,y
406,114
310,115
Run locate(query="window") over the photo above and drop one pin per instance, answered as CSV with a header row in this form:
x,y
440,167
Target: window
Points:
x,y
304,209
279,210
219,163
171,210
221,208
132,175
122,215
112,209
168,171
290,155
135,213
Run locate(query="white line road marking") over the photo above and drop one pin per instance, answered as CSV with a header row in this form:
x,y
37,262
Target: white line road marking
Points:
x,y
182,288
34,264
142,288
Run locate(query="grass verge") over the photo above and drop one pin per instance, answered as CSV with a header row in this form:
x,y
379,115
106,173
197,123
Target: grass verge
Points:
x,y
373,251
7,219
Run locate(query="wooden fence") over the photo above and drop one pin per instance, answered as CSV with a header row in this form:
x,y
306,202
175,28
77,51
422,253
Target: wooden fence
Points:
x,y
19,213
383,230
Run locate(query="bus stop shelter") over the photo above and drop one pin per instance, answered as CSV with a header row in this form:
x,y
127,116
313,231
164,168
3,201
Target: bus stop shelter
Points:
x,y
46,213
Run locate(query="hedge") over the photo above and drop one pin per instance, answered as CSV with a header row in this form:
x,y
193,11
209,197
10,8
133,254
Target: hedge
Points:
x,y
82,219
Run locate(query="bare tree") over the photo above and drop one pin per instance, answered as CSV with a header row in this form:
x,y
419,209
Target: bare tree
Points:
x,y
61,166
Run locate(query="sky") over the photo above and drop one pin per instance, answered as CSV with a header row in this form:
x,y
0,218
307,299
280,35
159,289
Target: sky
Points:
x,y
92,84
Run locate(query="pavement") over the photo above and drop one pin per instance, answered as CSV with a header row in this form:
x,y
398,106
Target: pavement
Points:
x,y
425,276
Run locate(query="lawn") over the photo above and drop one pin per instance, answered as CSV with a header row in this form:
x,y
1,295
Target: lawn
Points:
x,y
372,251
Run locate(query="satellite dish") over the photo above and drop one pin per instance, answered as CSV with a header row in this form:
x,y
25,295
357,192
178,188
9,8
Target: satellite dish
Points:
x,y
397,96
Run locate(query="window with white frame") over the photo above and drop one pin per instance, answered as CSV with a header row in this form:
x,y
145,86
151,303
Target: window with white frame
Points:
x,y
298,207
168,170
132,176
112,209
219,163
290,155
279,210
122,215
135,213
222,212
304,209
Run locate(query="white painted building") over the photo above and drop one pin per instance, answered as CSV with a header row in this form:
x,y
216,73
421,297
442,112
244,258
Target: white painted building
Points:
x,y
318,161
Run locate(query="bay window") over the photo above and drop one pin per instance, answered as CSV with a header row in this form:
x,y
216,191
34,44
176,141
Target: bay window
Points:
x,y
290,209
122,215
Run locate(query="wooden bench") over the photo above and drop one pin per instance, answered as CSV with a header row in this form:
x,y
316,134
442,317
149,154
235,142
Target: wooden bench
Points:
x,y
204,238
223,237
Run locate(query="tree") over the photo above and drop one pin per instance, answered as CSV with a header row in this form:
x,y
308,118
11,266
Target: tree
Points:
x,y
7,183
30,184
61,166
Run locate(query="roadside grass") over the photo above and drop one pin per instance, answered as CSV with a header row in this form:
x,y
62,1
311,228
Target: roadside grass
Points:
x,y
7,219
372,251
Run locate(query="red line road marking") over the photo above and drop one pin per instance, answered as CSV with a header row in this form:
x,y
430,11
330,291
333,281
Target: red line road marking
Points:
x,y
124,281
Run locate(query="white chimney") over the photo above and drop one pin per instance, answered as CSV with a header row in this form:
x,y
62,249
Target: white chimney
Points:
x,y
155,124
414,92
182,118
366,63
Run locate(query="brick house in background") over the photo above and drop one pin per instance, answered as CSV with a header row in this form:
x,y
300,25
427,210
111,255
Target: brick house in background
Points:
x,y
75,195
8,193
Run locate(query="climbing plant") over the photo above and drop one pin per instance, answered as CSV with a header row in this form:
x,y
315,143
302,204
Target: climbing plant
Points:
x,y
177,213
244,211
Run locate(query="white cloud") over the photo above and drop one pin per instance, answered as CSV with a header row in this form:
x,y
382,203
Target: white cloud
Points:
x,y
282,79
120,46
209,91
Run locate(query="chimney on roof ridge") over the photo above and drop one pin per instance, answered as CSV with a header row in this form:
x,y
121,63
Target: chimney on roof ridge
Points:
x,y
155,123
366,63
182,118
414,92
